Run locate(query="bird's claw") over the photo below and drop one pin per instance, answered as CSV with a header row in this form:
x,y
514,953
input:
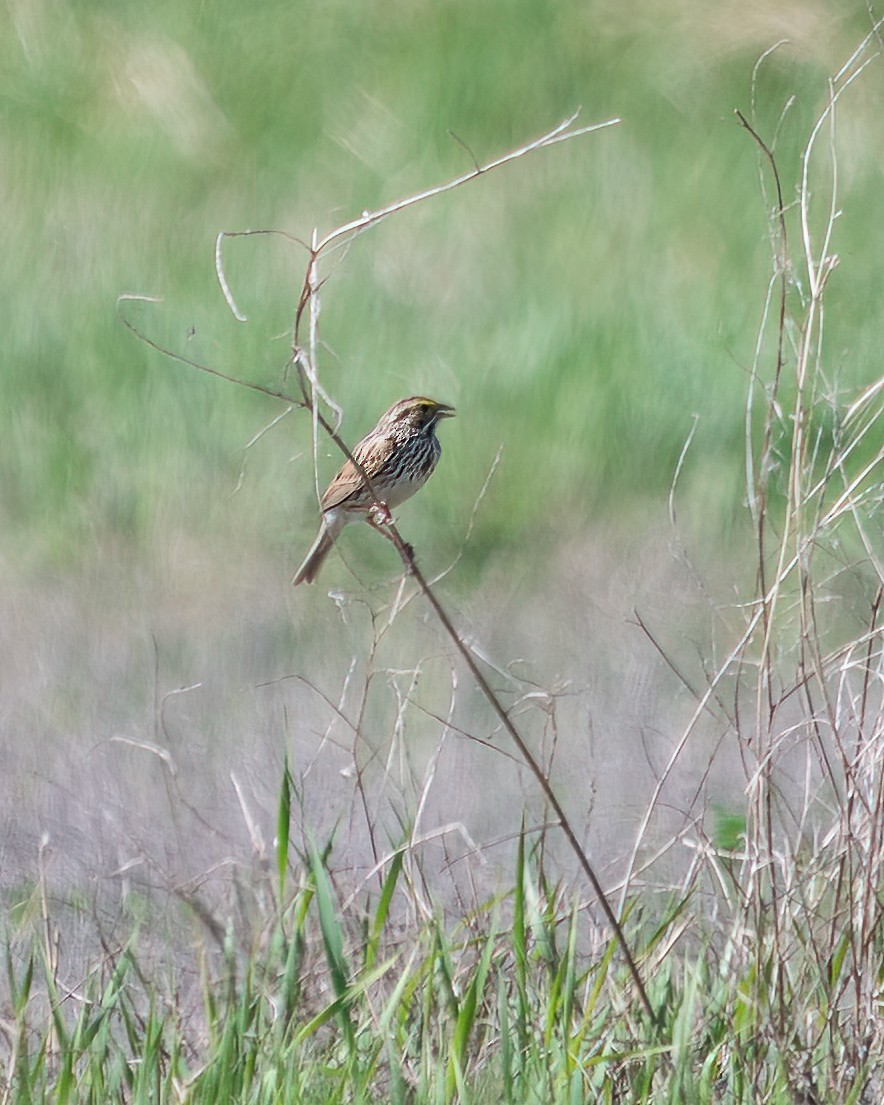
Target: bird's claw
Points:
x,y
380,515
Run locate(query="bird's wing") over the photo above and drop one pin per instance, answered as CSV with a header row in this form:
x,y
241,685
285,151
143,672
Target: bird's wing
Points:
x,y
342,486
349,480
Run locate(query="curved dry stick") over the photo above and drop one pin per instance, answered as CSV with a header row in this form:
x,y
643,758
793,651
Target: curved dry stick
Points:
x,y
304,361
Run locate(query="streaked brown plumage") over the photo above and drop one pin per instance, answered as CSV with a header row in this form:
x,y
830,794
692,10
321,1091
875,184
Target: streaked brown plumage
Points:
x,y
398,456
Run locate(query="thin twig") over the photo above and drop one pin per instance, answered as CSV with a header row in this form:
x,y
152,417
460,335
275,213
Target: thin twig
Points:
x,y
559,133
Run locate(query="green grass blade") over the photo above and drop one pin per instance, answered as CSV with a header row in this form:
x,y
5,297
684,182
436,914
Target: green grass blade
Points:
x,y
383,909
283,825
333,942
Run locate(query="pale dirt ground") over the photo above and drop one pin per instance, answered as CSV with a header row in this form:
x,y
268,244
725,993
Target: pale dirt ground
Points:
x,y
146,713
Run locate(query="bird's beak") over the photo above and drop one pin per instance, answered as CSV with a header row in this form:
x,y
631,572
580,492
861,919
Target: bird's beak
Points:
x,y
444,410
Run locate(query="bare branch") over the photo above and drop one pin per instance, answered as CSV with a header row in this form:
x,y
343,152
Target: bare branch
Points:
x,y
559,133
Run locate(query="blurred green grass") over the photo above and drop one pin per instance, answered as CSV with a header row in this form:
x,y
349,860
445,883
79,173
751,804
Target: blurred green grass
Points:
x,y
579,307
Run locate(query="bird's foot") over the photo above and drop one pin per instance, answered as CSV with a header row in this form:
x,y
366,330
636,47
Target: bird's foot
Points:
x,y
379,515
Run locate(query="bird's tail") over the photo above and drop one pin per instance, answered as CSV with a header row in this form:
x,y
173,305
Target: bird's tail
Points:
x,y
314,559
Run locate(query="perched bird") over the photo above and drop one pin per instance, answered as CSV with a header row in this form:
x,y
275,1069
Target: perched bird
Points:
x,y
398,457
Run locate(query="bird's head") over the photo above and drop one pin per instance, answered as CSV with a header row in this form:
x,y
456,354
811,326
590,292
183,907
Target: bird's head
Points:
x,y
417,413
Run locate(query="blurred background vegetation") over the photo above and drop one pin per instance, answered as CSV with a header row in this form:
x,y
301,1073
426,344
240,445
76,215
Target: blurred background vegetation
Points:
x,y
579,307
582,308
586,309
